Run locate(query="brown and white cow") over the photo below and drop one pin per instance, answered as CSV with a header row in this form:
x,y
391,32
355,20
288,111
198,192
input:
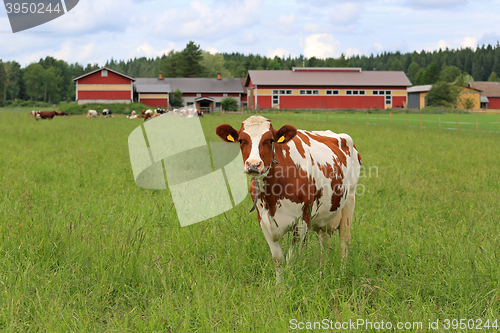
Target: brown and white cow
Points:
x,y
44,115
301,180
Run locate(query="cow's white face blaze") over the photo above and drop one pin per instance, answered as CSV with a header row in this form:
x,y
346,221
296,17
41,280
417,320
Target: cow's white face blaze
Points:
x,y
256,138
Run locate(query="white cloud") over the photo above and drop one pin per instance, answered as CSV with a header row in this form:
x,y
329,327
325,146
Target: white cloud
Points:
x,y
291,19
433,4
204,21
347,13
321,46
211,50
469,42
280,52
312,27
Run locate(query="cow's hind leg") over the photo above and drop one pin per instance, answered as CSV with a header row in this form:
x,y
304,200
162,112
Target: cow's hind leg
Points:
x,y
345,227
325,235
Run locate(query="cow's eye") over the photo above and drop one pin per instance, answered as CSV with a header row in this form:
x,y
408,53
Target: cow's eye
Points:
x,y
240,142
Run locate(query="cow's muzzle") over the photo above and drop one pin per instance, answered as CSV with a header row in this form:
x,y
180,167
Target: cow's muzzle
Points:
x,y
253,168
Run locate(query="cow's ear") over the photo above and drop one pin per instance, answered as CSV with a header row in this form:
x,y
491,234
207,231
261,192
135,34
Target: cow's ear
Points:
x,y
227,133
285,134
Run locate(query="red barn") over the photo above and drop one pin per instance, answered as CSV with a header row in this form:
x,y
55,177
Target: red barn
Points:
x,y
104,85
326,88
490,93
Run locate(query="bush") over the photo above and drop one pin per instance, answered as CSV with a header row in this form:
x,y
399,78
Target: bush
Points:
x,y
443,94
229,104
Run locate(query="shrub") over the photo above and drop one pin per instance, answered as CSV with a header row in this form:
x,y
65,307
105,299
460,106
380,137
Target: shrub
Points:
x,y
229,104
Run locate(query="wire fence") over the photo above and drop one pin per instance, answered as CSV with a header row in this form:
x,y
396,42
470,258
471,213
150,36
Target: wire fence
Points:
x,y
444,122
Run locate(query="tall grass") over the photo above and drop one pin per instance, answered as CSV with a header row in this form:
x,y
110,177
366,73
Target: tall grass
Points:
x,y
84,249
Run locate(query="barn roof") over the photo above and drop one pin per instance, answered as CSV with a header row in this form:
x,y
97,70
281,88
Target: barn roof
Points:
x,y
152,88
100,69
488,89
327,77
195,85
418,89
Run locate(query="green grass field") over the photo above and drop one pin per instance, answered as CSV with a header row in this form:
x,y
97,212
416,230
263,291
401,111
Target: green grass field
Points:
x,y
82,248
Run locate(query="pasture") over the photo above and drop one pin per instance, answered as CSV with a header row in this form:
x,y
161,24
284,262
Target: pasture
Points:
x,y
82,248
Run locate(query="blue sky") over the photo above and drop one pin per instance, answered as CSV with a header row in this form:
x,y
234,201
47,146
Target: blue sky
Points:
x,y
96,30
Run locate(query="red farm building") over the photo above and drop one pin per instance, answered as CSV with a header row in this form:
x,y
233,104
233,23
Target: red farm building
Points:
x,y
490,93
326,88
104,85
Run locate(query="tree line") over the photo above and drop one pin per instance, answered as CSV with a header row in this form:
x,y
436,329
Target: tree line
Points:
x,y
50,80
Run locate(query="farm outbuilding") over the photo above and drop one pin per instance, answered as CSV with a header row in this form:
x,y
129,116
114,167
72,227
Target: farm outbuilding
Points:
x,y
104,85
417,97
490,93
326,88
205,93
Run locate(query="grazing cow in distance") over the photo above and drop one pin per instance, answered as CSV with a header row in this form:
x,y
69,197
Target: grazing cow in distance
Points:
x,y
301,180
106,113
61,113
92,113
32,113
44,115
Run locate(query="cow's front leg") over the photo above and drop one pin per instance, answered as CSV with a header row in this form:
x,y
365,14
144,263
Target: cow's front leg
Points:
x,y
299,235
273,240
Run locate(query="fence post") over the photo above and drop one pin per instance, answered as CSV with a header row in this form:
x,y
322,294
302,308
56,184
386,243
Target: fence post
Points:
x,y
458,128
346,117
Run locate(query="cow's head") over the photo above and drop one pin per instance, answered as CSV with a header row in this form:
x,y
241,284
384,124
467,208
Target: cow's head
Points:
x,y
257,138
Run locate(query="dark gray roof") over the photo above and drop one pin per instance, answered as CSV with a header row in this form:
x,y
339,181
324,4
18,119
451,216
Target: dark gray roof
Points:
x,y
328,77
152,88
195,85
100,69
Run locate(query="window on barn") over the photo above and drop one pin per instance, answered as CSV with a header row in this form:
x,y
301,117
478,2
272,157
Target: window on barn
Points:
x,y
189,103
275,92
381,92
335,92
288,92
302,92
387,100
104,72
361,92
315,92
282,92
388,92
328,92
349,92
217,104
375,92
309,92
355,92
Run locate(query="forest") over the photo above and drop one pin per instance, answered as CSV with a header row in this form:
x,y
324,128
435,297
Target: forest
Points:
x,y
50,81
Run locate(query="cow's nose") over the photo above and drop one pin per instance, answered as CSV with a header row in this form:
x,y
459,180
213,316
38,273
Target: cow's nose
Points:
x,y
253,166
